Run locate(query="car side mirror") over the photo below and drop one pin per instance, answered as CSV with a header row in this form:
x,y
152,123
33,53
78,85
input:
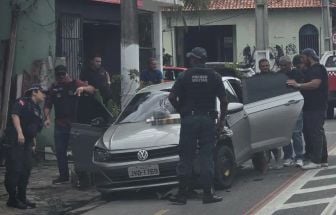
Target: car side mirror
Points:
x,y
235,107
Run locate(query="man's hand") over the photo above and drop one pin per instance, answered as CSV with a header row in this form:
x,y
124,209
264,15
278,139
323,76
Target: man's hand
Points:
x,y
21,138
47,123
79,91
34,145
292,83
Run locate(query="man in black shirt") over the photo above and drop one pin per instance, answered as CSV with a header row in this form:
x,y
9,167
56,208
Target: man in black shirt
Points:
x,y
315,93
95,75
194,97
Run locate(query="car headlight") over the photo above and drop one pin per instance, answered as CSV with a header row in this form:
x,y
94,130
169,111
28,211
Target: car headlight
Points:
x,y
101,155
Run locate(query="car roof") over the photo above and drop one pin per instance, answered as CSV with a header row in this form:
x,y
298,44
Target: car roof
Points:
x,y
166,86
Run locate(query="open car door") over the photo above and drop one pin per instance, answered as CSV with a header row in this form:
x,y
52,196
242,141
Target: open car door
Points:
x,y
272,109
93,119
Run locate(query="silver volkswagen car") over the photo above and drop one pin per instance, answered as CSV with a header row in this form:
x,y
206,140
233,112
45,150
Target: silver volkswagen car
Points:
x,y
140,149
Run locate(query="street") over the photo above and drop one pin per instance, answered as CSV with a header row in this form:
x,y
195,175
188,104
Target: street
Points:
x,y
277,192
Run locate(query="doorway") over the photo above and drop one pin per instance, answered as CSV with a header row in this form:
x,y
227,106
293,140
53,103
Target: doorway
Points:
x,y
104,40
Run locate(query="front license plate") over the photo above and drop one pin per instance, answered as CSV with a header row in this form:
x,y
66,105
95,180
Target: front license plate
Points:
x,y
143,171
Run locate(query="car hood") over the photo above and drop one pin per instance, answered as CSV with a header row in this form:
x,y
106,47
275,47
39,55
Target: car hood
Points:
x,y
140,135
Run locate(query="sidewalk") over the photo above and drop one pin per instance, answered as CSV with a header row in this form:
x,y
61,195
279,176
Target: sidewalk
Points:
x,y
50,199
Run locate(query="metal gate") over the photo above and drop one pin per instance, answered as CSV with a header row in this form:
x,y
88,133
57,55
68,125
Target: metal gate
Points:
x,y
70,42
309,37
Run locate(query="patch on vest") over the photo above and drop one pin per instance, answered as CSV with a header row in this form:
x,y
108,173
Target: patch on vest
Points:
x,y
199,78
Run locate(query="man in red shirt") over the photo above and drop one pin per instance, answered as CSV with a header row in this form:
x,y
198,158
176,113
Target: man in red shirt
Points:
x,y
63,95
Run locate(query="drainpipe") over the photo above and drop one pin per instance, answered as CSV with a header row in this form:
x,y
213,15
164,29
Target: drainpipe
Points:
x,y
9,68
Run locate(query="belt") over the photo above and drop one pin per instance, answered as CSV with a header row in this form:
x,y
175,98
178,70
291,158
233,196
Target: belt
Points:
x,y
200,113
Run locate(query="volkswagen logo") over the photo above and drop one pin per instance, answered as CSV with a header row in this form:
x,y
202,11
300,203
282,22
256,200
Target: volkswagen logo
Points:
x,y
142,155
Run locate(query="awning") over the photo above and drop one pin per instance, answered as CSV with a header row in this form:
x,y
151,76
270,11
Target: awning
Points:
x,y
140,2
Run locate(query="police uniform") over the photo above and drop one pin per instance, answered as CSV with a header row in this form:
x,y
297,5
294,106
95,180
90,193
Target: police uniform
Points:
x,y
197,90
19,156
63,98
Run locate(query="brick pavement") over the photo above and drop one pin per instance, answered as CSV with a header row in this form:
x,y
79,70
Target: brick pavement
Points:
x,y
50,199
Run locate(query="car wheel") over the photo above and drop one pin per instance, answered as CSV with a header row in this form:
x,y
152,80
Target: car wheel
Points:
x,y
260,161
225,167
330,111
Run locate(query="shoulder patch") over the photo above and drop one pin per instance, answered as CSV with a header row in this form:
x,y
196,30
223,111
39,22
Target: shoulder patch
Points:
x,y
21,102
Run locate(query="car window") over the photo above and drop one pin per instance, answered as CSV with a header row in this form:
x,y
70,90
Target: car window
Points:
x,y
144,105
331,62
237,87
264,86
230,94
89,108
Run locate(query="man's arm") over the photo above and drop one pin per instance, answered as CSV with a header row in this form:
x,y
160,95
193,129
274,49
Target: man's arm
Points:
x,y
312,85
17,125
174,101
47,121
83,87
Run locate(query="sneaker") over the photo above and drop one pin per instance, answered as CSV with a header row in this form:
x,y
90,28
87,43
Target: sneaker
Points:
x,y
299,163
311,165
288,162
61,180
210,198
325,165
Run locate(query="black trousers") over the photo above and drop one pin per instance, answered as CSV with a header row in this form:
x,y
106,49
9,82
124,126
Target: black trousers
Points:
x,y
196,130
314,136
19,161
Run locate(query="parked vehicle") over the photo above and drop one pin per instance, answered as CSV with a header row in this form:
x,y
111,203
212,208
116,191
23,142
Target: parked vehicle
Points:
x,y
171,73
328,59
140,150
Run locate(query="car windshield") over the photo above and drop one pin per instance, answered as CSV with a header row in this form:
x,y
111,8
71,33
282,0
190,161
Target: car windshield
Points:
x,y
144,105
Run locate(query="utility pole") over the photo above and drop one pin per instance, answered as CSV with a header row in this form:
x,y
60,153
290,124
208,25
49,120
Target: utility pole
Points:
x,y
129,50
327,25
261,15
9,68
261,34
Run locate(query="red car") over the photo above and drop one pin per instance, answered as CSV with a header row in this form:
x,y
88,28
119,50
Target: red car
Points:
x,y
170,73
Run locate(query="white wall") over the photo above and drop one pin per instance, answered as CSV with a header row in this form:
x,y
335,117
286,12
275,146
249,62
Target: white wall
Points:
x,y
284,26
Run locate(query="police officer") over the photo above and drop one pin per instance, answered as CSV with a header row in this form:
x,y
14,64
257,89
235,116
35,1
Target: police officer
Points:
x,y
26,122
63,95
194,97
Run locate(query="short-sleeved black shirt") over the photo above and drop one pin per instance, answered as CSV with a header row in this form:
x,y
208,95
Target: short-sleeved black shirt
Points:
x,y
30,115
197,90
296,75
316,100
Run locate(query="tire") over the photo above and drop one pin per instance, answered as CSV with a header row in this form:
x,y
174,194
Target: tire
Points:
x,y
260,161
225,167
330,111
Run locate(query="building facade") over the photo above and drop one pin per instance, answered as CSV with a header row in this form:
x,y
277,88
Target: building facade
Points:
x,y
226,29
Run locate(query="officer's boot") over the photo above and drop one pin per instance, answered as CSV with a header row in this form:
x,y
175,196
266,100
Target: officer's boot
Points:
x,y
14,203
181,196
209,197
22,195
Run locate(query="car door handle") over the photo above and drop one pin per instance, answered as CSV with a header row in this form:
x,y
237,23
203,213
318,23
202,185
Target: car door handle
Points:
x,y
292,102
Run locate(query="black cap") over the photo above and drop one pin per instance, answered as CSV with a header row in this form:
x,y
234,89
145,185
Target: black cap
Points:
x,y
36,87
60,69
198,52
310,53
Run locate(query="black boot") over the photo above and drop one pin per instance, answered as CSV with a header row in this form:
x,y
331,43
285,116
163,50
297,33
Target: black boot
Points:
x,y
181,197
209,197
14,203
30,204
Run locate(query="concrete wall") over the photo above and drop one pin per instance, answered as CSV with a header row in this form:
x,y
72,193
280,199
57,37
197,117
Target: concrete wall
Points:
x,y
284,26
35,39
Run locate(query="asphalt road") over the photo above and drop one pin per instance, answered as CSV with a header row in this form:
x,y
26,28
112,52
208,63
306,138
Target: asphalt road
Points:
x,y
285,191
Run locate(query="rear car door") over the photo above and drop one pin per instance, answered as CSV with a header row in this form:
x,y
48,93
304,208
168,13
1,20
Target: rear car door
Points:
x,y
93,119
272,110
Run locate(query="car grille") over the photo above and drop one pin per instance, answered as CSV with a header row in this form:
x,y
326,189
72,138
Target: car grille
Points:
x,y
152,153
